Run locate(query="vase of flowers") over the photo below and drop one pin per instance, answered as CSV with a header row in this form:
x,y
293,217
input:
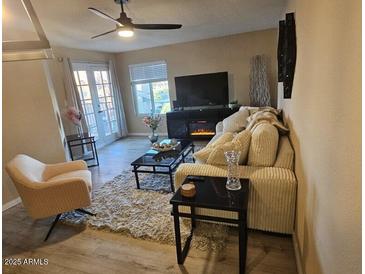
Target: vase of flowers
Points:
x,y
74,116
152,121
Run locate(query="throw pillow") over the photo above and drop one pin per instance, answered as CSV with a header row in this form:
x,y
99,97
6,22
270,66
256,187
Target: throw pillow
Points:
x,y
236,122
240,143
244,138
251,110
202,155
224,138
264,144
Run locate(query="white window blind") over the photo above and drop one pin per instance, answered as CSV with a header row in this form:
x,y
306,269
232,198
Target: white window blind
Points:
x,y
148,71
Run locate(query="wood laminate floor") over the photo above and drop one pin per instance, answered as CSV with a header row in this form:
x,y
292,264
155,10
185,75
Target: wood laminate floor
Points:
x,y
72,249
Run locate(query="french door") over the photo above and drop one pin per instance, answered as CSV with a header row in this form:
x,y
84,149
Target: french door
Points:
x,y
94,86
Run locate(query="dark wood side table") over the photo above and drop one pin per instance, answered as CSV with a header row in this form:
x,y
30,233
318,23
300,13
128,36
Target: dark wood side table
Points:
x,y
83,140
211,193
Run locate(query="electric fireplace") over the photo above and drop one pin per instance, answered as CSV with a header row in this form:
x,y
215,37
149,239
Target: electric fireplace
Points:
x,y
201,128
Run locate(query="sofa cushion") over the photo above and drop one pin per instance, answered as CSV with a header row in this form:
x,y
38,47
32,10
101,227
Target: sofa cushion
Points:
x,y
236,122
285,155
202,155
241,143
84,175
263,147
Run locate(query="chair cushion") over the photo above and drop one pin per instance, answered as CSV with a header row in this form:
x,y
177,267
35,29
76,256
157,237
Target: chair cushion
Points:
x,y
236,122
84,175
264,144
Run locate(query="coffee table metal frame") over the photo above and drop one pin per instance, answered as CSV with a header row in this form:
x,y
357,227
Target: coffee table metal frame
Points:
x,y
171,167
182,252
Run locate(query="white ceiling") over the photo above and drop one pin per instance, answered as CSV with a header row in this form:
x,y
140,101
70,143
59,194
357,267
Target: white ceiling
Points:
x,y
68,23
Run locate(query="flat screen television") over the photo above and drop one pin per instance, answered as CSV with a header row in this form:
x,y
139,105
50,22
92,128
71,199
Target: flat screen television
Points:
x,y
209,89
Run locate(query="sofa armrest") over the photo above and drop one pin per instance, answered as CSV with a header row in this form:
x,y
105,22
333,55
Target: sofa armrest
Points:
x,y
60,168
219,127
50,198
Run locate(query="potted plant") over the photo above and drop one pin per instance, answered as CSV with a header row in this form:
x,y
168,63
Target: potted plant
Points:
x,y
152,121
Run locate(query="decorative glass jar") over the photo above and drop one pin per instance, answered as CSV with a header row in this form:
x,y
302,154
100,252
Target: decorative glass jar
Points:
x,y
233,180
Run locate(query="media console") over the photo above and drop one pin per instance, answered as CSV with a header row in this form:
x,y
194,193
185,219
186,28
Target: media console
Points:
x,y
196,123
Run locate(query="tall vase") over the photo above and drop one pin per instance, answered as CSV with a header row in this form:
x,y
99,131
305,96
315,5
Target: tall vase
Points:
x,y
153,137
233,180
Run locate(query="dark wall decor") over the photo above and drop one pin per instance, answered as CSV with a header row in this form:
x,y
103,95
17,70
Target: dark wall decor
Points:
x,y
287,53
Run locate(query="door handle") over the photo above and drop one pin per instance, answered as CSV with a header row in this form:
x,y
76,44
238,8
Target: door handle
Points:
x,y
100,111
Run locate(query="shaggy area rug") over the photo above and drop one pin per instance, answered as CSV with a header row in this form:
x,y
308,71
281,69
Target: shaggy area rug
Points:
x,y
144,213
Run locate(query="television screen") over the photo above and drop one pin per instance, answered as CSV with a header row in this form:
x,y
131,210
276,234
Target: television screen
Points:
x,y
202,90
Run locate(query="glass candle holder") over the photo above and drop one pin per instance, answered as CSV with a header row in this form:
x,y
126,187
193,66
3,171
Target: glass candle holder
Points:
x,y
233,180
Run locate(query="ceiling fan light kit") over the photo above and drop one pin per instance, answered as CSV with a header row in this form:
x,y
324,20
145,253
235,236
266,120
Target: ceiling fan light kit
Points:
x,y
125,32
125,26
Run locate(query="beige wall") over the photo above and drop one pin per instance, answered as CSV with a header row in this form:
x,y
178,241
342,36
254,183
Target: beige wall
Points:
x,y
56,69
30,124
33,95
230,53
324,115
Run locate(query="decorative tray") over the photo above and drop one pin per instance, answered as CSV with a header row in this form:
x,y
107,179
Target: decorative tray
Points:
x,y
163,147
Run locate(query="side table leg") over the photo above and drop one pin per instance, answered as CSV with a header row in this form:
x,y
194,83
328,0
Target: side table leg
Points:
x,y
177,235
171,180
96,154
242,238
193,221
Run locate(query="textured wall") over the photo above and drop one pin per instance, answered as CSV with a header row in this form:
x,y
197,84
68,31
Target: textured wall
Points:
x,y
324,115
230,53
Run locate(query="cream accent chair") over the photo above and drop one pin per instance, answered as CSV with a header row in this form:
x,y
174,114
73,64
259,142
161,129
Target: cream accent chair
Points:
x,y
48,190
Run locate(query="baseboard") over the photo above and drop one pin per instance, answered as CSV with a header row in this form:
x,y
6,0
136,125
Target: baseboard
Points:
x,y
164,134
298,258
12,203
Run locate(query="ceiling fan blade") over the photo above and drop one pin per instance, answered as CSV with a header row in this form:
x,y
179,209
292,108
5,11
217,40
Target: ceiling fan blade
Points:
x,y
157,26
104,15
105,33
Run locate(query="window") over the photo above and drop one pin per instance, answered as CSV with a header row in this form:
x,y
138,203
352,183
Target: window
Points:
x,y
150,88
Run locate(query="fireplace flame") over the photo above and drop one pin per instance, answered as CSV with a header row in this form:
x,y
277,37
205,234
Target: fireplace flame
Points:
x,y
202,132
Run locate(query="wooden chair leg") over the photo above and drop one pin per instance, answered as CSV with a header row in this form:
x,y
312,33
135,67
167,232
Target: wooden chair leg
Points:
x,y
52,226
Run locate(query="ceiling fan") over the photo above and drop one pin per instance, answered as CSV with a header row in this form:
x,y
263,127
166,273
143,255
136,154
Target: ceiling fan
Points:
x,y
124,25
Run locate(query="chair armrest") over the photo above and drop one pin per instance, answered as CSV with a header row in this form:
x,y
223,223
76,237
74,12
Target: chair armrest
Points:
x,y
60,168
50,198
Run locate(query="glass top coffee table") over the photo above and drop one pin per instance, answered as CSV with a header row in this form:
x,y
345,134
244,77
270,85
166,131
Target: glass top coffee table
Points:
x,y
163,162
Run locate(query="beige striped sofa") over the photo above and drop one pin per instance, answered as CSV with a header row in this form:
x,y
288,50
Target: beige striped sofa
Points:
x,y
272,198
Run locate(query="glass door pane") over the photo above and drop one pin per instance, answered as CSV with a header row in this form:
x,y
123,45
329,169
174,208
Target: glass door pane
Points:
x,y
83,88
106,102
